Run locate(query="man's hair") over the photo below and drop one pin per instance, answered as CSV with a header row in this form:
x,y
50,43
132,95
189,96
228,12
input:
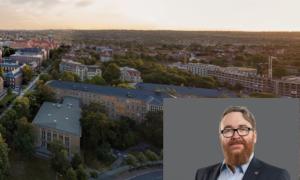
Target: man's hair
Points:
x,y
248,116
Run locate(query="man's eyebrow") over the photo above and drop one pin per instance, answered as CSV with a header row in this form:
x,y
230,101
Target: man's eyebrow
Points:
x,y
242,125
228,126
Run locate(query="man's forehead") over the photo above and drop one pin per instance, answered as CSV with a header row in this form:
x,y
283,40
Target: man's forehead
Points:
x,y
234,119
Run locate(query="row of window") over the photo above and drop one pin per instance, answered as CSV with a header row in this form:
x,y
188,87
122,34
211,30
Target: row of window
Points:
x,y
51,136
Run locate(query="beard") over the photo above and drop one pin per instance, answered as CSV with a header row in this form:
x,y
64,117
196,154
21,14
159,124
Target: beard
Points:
x,y
237,158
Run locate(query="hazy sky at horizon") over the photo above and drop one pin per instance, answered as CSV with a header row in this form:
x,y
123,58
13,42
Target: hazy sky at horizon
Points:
x,y
247,15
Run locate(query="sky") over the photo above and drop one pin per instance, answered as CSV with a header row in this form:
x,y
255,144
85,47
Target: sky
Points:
x,y
235,15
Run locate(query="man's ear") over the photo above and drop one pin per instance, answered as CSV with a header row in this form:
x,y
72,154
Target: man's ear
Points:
x,y
255,136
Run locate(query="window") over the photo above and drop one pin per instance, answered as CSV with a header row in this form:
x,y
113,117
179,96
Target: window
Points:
x,y
43,134
48,136
54,136
67,142
61,138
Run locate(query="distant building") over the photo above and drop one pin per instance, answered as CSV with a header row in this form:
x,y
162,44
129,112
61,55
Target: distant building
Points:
x,y
0,55
83,71
29,55
55,121
2,90
184,92
201,69
106,53
287,86
13,79
119,102
247,79
130,75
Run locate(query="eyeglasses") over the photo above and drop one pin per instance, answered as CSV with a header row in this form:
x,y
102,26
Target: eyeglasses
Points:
x,y
242,131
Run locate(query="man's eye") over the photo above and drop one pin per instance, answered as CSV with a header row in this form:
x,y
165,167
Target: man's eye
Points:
x,y
227,130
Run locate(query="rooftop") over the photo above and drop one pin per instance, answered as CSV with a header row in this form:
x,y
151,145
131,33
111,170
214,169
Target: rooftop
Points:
x,y
184,91
147,96
64,117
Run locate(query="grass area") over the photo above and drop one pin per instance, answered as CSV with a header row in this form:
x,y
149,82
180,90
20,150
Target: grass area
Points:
x,y
33,169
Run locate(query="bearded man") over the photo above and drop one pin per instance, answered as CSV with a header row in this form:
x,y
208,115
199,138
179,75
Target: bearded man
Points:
x,y
238,137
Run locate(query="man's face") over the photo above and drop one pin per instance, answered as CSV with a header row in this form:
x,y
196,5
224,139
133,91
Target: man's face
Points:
x,y
237,149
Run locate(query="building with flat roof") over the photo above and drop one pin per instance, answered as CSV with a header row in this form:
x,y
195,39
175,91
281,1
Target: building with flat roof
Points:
x,y
201,69
58,121
184,92
287,86
132,103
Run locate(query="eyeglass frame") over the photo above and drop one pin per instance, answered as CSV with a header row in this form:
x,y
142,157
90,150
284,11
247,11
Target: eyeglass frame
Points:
x,y
237,130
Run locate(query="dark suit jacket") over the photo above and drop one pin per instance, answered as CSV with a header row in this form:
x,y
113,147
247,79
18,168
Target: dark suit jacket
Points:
x,y
257,170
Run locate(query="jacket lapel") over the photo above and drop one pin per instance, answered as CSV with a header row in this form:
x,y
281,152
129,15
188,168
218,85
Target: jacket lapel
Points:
x,y
216,172
253,170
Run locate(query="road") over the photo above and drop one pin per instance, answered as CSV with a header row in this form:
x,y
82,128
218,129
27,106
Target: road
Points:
x,y
155,175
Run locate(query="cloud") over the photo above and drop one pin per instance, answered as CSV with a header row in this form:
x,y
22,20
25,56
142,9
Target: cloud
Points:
x,y
84,3
34,3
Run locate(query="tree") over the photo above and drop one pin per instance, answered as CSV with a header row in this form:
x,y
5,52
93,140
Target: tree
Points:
x,y
76,161
45,77
9,122
44,93
152,128
98,80
68,76
22,107
104,153
1,72
27,74
81,174
59,162
7,51
24,137
279,72
111,73
4,162
71,174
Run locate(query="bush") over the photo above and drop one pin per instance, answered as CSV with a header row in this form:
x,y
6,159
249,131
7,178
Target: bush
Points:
x,y
152,156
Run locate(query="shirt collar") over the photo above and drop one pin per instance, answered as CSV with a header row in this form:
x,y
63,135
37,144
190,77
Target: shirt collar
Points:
x,y
241,168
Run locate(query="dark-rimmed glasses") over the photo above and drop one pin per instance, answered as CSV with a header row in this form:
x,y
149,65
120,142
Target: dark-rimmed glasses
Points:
x,y
242,131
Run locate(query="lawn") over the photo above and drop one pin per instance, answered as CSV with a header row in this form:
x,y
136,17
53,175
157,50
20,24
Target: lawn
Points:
x,y
33,169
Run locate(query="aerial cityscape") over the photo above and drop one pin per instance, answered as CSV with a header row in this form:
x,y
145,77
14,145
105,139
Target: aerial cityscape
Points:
x,y
83,83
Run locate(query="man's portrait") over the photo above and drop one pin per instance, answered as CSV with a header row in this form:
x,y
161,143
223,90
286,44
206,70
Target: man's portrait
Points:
x,y
238,139
238,136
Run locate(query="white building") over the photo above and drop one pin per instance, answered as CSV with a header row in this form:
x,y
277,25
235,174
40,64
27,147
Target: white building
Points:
x,y
130,75
83,71
201,69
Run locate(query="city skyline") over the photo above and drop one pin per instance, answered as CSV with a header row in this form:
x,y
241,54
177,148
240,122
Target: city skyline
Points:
x,y
232,15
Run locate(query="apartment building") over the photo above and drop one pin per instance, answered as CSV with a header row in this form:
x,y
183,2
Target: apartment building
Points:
x,y
118,102
287,86
201,69
83,71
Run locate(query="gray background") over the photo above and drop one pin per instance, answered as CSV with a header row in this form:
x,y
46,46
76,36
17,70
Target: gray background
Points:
x,y
191,134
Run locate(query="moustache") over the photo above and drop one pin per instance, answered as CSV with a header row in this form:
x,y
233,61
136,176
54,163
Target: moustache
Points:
x,y
236,141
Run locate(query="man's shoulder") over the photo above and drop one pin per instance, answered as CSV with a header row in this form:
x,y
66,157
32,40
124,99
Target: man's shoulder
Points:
x,y
208,171
274,170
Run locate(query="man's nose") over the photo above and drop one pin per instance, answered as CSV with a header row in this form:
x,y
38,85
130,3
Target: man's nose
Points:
x,y
236,134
